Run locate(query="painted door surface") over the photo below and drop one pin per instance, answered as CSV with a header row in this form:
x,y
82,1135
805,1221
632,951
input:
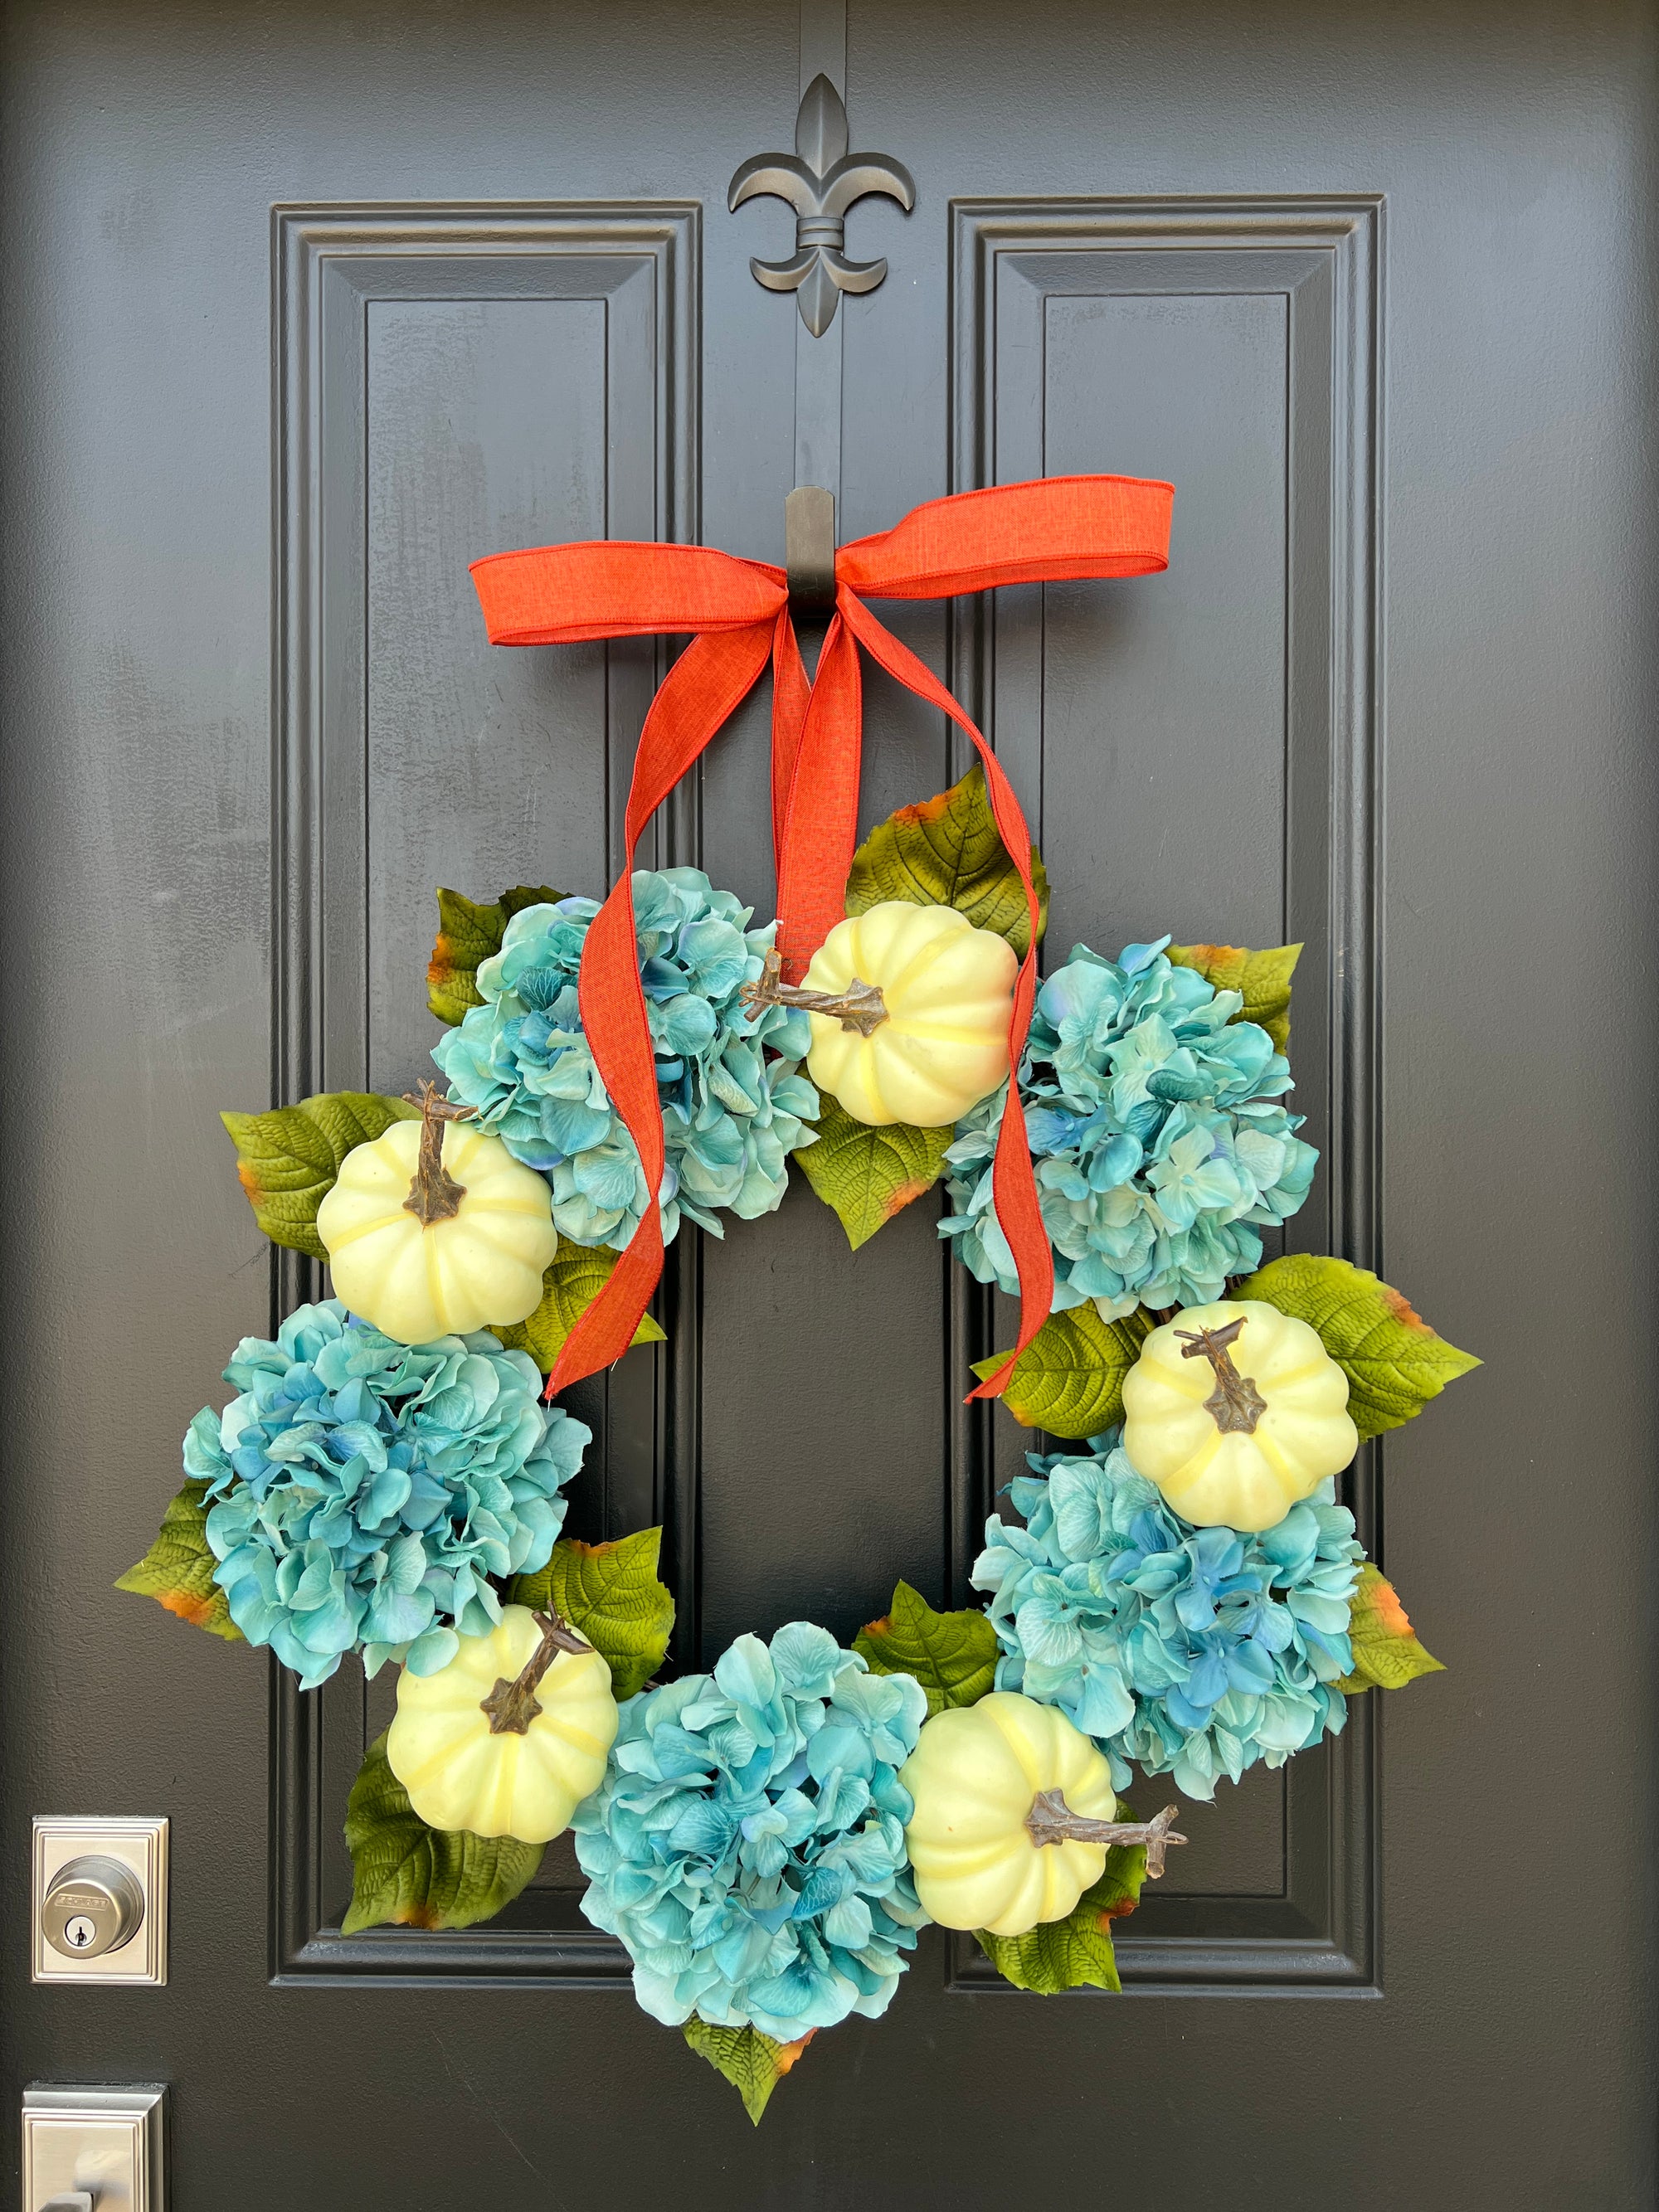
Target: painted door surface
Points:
x,y
309,306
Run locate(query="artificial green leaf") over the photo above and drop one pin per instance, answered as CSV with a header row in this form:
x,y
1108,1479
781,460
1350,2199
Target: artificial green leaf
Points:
x,y
752,2062
420,1877
468,935
1394,1361
287,1159
952,1655
947,851
1386,1652
1064,1955
1069,1379
579,1273
868,1173
1264,979
610,1593
177,1571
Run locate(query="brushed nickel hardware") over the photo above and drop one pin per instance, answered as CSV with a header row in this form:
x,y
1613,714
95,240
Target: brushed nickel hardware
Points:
x,y
95,2149
99,1899
93,1905
808,538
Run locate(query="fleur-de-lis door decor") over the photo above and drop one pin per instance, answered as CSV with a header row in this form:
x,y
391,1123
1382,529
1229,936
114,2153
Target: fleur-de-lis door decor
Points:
x,y
820,181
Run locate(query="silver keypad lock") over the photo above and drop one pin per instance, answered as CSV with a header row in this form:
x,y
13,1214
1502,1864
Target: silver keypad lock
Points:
x,y
94,1905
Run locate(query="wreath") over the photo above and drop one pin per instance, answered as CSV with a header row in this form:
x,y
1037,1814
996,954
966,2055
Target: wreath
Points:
x,y
1175,1590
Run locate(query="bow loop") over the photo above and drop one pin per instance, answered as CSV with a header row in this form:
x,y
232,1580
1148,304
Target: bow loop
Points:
x,y
614,588
1055,529
737,613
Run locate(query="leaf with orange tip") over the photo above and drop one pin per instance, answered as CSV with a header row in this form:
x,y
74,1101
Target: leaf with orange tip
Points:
x,y
177,1571
1262,979
468,935
948,851
752,2062
288,1159
1386,1652
1394,1361
867,1175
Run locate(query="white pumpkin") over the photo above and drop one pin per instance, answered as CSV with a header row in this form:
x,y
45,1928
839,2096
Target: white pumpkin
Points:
x,y
947,992
474,1256
466,1767
975,1775
1237,1411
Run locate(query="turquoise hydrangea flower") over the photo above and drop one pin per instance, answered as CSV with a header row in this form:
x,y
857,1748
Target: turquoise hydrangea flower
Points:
x,y
362,1492
1159,1148
1195,1652
731,1112
747,1844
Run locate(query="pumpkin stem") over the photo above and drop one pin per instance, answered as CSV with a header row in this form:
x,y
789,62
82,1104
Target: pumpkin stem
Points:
x,y
1051,1821
433,1192
1235,1405
859,1007
513,1705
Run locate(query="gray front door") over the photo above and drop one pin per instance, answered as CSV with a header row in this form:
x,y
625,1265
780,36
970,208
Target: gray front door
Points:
x,y
309,306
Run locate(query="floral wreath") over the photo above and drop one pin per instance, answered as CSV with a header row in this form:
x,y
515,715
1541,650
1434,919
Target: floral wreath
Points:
x,y
1177,1589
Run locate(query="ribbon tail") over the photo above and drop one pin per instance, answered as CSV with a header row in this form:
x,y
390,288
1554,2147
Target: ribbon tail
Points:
x,y
705,684
1013,1183
820,817
790,696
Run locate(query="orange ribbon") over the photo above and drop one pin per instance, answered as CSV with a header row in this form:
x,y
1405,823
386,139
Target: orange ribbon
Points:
x,y
738,614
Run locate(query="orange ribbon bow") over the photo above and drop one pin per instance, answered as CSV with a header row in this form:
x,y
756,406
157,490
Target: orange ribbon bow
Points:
x,y
738,613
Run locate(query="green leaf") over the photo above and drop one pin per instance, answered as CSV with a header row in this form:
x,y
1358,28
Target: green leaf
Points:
x,y
1386,1652
578,1274
868,1173
752,2062
1394,1361
177,1571
952,1655
1264,978
468,935
288,1159
610,1593
1064,1955
1069,1379
415,1877
947,851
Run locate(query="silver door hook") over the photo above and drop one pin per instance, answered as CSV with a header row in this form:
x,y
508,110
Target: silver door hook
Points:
x,y
808,538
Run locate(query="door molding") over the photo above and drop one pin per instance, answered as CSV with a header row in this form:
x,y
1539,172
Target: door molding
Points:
x,y
1013,263
1319,1933
639,261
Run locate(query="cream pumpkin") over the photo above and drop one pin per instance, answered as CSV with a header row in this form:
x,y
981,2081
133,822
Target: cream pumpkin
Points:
x,y
522,1769
1236,1412
975,1775
473,1253
941,1041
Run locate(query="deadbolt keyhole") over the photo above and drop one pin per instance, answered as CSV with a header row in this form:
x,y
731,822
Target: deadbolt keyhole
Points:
x,y
93,1905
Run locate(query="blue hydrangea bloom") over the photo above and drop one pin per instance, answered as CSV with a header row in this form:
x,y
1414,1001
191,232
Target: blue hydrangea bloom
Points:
x,y
1157,1144
747,1844
731,1114
362,1491
1193,1652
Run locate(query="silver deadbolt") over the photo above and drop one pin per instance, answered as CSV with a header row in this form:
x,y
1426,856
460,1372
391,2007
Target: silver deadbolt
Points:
x,y
93,1904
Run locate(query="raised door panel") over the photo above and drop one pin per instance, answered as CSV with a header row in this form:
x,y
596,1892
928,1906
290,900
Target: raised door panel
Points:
x,y
452,383
1195,751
